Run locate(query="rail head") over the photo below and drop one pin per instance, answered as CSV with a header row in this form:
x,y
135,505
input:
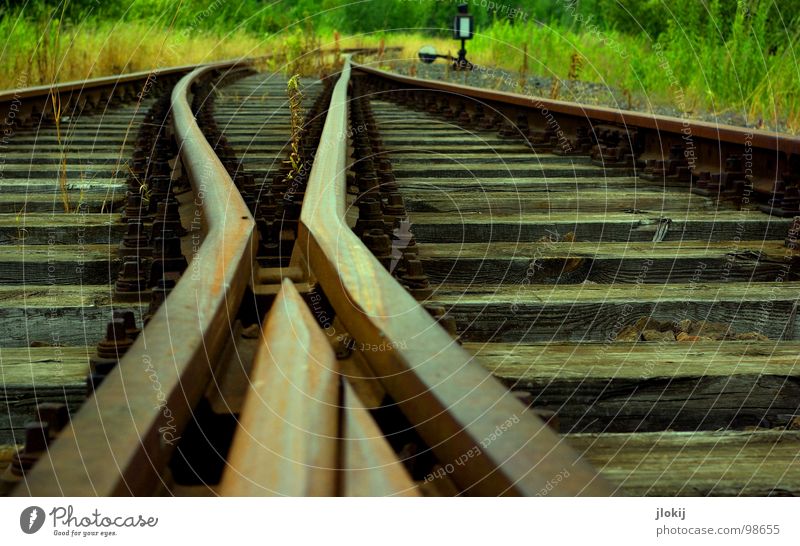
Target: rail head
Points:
x,y
457,406
92,84
121,439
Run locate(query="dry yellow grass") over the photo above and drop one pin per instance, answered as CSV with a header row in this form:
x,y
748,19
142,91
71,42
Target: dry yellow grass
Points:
x,y
132,47
76,53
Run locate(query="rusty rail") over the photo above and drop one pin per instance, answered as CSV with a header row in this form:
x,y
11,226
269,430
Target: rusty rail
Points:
x,y
303,431
628,118
21,105
453,402
121,439
765,156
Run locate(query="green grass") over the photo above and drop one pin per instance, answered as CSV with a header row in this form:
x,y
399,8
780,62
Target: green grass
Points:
x,y
712,55
692,65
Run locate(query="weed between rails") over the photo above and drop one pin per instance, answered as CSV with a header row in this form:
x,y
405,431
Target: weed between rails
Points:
x,y
296,110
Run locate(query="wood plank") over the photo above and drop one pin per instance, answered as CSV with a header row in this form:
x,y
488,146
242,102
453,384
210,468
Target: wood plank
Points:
x,y
43,157
400,152
489,156
477,169
696,463
643,387
286,442
609,227
568,262
47,314
49,228
58,265
588,312
396,123
82,139
706,291
79,147
479,200
423,140
416,186
59,324
70,171
86,123
32,375
17,203
74,188
536,364
245,140
43,297
34,367
371,468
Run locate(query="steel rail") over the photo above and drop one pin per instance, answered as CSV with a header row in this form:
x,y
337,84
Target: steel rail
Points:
x,y
286,441
121,439
93,83
665,146
18,105
303,431
767,140
480,433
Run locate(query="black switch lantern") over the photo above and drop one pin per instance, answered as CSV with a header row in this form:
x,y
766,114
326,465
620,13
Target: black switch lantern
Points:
x,y
463,29
427,54
463,23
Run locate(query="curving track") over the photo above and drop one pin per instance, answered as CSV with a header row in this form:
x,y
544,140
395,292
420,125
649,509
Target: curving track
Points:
x,y
308,348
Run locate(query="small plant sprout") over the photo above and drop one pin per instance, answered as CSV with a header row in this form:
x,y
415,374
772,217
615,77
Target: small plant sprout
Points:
x,y
296,110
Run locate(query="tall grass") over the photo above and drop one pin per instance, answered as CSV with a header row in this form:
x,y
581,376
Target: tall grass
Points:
x,y
715,55
696,63
104,48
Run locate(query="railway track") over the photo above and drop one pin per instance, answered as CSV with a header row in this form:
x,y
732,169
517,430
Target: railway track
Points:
x,y
69,154
396,287
655,324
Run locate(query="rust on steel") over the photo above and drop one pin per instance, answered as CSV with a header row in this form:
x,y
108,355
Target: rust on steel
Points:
x,y
93,83
121,439
287,440
480,433
303,431
665,124
21,104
